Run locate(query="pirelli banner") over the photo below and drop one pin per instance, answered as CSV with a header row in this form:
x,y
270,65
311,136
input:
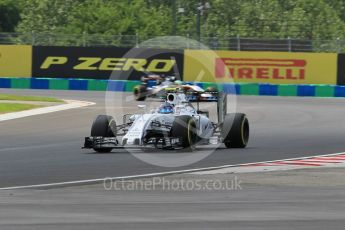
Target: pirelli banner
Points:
x,y
15,60
260,67
104,62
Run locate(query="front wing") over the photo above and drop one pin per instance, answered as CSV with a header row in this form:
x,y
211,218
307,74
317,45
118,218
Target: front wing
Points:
x,y
100,142
112,142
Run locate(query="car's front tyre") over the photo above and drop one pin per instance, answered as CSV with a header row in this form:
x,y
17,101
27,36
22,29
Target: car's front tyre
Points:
x,y
211,89
184,127
140,92
235,130
103,126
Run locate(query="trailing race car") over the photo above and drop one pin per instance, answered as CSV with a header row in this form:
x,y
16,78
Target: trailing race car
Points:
x,y
174,124
155,85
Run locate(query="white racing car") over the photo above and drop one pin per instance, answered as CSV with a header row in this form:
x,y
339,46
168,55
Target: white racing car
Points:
x,y
155,86
175,124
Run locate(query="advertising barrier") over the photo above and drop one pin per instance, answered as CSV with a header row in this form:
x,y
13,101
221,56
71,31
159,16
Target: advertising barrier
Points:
x,y
15,60
260,67
101,62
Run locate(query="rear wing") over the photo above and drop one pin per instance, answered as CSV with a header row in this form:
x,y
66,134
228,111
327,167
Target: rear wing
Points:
x,y
219,97
196,97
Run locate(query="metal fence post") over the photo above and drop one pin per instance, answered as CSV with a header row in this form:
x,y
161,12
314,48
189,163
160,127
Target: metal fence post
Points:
x,y
289,44
338,45
238,43
33,40
137,39
84,38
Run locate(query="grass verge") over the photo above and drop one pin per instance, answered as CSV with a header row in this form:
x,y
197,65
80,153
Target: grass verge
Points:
x,y
15,107
11,97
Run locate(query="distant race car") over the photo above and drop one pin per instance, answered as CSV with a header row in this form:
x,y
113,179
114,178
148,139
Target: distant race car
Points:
x,y
175,124
155,85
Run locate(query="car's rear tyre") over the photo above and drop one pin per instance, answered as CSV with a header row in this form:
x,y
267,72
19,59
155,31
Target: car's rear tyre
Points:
x,y
140,92
103,126
212,89
184,127
235,130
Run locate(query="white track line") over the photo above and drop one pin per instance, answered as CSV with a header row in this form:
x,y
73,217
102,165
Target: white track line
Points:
x,y
71,104
93,181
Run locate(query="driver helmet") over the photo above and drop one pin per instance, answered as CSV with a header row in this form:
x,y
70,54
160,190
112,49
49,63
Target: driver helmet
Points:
x,y
166,108
178,82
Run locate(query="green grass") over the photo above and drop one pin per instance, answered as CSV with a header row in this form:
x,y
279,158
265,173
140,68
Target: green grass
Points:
x,y
15,107
11,97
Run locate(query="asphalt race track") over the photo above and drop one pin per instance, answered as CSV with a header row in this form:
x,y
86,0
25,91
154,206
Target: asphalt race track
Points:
x,y
46,148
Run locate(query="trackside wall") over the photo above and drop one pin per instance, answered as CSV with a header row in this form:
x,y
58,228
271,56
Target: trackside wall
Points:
x,y
252,73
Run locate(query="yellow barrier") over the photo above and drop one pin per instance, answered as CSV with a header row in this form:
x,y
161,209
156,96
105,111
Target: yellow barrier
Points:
x,y
260,67
15,60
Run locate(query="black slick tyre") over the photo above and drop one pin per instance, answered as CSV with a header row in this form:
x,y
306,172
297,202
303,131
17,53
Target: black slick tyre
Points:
x,y
103,126
139,92
184,127
235,130
211,89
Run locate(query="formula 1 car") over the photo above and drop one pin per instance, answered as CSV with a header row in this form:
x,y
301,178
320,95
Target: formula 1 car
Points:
x,y
175,124
155,85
